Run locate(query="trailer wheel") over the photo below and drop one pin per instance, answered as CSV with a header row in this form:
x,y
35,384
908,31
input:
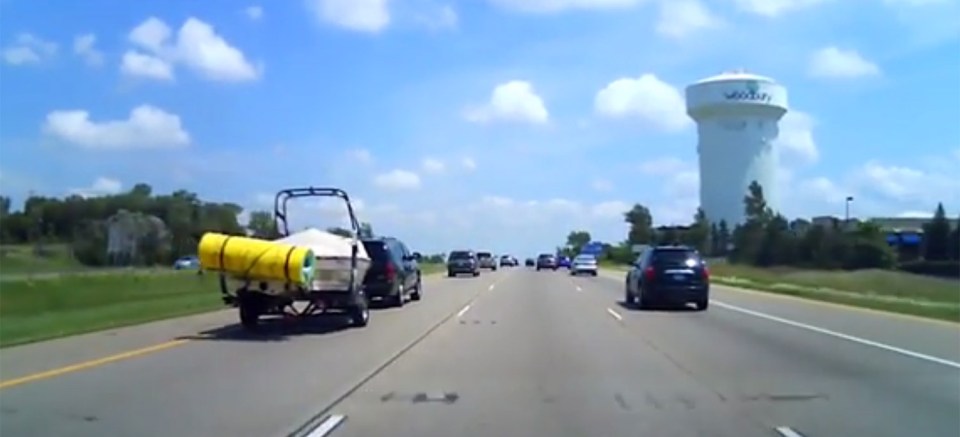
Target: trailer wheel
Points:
x,y
360,315
249,313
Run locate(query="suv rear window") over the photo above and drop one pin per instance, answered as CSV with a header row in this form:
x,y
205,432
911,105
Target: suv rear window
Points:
x,y
674,257
545,256
460,254
484,255
377,250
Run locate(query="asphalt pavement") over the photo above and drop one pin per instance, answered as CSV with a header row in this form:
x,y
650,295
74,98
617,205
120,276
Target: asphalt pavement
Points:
x,y
511,353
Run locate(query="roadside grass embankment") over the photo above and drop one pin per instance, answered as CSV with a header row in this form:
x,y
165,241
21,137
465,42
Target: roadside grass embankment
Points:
x,y
25,260
884,290
36,308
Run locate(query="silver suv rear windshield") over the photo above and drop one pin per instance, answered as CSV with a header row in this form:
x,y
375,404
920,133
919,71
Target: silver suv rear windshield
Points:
x,y
461,254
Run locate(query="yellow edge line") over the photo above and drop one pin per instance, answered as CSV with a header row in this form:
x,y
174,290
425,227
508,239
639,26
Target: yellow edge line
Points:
x,y
90,364
774,295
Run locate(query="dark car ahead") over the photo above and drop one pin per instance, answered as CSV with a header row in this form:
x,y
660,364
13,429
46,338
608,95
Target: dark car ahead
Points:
x,y
463,262
546,261
674,275
394,273
563,262
487,261
530,262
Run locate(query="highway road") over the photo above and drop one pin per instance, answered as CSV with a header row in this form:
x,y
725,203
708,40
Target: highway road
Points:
x,y
511,353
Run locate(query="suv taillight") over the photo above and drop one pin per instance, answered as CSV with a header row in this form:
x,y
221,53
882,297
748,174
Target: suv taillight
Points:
x,y
649,274
390,271
705,273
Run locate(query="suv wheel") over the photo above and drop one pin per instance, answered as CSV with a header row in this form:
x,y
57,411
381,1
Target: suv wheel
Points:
x,y
415,295
399,298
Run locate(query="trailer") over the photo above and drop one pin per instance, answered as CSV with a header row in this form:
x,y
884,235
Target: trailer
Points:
x,y
338,290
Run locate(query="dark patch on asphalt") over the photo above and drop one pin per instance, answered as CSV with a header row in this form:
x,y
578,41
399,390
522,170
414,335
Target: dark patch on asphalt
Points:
x,y
621,402
786,397
444,398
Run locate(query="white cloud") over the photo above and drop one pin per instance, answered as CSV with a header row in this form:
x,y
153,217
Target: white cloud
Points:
x,y
513,101
83,46
602,185
147,127
254,13
647,98
551,6
397,180
29,49
137,64
197,46
796,138
775,8
897,183
102,186
433,165
663,166
468,164
359,15
438,18
681,18
832,62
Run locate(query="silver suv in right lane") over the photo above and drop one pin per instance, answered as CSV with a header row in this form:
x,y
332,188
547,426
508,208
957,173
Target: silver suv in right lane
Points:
x,y
463,262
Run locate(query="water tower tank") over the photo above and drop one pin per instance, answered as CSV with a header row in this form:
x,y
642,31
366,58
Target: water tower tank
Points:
x,y
738,116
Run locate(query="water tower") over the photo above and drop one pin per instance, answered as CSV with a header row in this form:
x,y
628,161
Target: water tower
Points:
x,y
738,116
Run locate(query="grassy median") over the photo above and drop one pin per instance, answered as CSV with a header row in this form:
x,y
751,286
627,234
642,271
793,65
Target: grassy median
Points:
x,y
884,290
42,308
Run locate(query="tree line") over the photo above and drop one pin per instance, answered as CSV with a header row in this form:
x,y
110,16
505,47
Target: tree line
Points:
x,y
165,226
766,238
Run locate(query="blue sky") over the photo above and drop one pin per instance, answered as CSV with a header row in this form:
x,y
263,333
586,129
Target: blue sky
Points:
x,y
474,123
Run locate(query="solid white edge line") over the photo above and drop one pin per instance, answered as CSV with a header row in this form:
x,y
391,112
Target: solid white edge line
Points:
x,y
614,314
785,431
839,335
463,311
327,426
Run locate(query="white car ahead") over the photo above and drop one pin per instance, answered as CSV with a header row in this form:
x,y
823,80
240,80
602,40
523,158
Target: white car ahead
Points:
x,y
584,264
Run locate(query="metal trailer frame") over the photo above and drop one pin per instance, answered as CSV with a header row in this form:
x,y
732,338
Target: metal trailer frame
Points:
x,y
252,302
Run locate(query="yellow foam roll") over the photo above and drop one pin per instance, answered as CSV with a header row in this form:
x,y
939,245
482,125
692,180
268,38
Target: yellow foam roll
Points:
x,y
255,259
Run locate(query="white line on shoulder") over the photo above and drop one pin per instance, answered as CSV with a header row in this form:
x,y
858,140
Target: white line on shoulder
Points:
x,y
839,335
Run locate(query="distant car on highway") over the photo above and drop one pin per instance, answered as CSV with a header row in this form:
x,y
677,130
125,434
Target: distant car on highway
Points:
x,y
507,261
463,262
187,263
673,275
530,262
584,263
487,261
546,261
563,261
394,274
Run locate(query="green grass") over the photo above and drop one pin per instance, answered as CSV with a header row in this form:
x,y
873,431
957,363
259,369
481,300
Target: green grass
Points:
x,y
41,309
884,290
24,260
35,309
432,268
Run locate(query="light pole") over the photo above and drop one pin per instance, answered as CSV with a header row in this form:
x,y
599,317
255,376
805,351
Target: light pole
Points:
x,y
846,217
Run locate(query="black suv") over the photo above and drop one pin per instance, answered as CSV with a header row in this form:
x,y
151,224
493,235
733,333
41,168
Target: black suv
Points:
x,y
546,261
394,271
463,261
668,274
